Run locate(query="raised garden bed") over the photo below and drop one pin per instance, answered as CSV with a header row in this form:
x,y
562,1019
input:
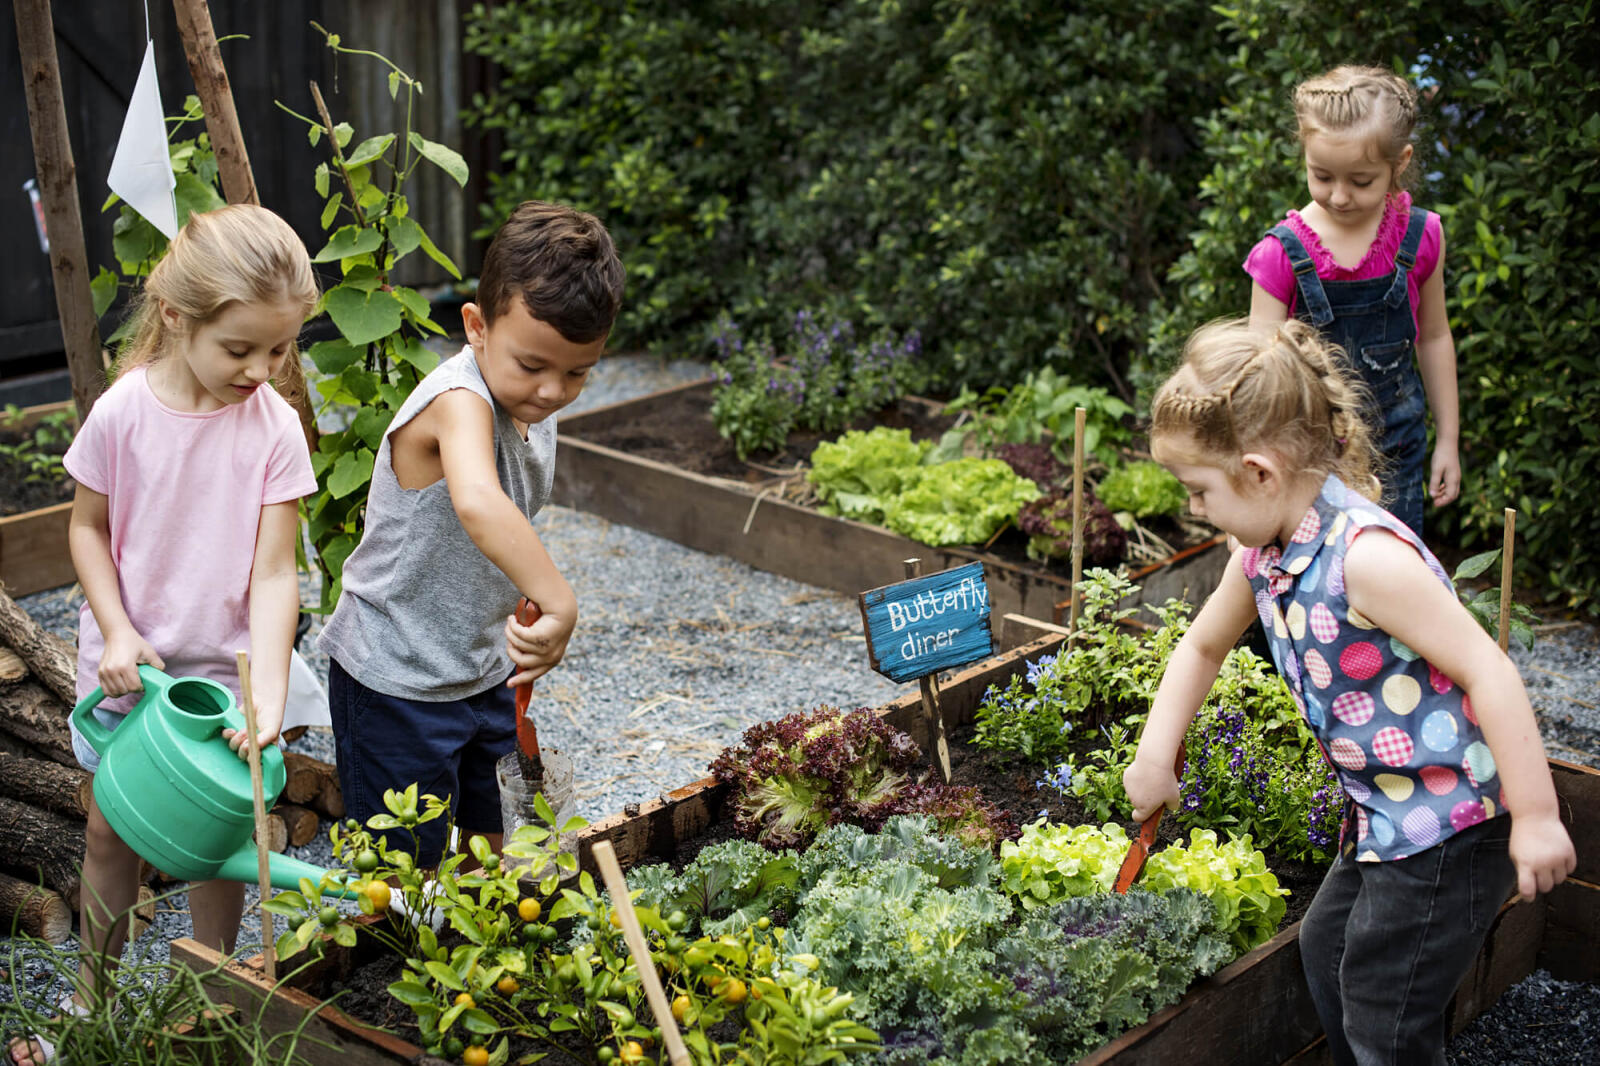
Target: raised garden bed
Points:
x,y
1255,1011
612,462
33,517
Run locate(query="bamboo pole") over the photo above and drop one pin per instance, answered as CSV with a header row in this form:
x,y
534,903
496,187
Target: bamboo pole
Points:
x,y
269,952
1078,418
606,858
58,191
929,683
1507,546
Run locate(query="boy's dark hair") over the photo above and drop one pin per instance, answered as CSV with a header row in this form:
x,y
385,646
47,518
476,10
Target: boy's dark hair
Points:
x,y
561,262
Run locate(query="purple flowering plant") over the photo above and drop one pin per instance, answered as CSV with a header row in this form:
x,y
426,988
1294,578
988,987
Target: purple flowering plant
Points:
x,y
821,374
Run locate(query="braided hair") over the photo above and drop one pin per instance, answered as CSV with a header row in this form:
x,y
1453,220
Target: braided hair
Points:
x,y
1285,391
1363,100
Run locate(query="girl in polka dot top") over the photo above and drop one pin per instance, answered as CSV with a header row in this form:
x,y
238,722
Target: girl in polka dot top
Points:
x,y
1423,718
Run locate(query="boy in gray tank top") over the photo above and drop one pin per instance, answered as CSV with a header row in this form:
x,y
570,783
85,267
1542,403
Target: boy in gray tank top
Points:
x,y
426,651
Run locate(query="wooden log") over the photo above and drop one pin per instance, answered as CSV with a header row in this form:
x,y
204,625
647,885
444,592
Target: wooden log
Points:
x,y
302,777
12,668
277,834
294,733
34,838
34,910
330,801
31,713
143,915
58,189
300,822
52,661
45,783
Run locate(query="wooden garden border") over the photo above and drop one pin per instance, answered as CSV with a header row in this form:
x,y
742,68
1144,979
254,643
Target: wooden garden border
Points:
x,y
711,515
33,544
1255,1012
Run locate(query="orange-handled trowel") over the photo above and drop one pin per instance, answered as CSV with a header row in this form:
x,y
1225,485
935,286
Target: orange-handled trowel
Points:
x,y
1139,850
529,761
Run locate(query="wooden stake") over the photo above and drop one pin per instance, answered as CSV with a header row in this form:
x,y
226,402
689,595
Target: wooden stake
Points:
x,y
58,191
1077,513
930,700
1506,548
269,952
216,98
606,858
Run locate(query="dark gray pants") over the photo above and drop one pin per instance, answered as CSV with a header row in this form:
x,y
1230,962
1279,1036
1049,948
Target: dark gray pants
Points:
x,y
1385,944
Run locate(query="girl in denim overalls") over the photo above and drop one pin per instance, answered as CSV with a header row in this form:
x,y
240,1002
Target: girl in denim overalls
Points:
x,y
1422,717
1365,267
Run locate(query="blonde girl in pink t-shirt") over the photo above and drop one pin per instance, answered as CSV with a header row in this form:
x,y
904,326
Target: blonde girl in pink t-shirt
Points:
x,y
190,468
1366,268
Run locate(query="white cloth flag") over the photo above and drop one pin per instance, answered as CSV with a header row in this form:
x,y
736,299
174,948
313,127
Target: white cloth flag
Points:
x,y
141,171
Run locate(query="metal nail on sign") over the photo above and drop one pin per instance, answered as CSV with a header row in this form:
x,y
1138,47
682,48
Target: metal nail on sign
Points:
x,y
930,623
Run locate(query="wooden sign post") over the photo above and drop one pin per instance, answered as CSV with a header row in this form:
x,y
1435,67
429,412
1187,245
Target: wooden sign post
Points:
x,y
926,624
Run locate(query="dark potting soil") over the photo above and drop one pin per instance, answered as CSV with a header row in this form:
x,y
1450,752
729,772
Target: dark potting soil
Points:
x,y
675,428
19,494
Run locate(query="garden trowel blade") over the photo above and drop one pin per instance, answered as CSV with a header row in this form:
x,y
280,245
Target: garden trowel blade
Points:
x,y
1138,852
529,761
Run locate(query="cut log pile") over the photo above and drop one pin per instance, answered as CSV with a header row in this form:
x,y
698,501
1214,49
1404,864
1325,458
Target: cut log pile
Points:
x,y
45,794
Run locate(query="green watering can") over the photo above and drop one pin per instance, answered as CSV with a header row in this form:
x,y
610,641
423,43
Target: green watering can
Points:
x,y
174,790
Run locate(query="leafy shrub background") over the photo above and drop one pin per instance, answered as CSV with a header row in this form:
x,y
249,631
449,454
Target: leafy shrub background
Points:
x,y
1032,187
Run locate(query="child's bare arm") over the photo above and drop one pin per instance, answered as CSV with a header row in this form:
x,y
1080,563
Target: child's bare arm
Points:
x,y
274,609
1387,581
1266,310
1436,360
89,541
465,428
1190,673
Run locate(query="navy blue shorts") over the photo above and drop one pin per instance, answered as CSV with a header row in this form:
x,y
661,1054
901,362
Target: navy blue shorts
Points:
x,y
448,748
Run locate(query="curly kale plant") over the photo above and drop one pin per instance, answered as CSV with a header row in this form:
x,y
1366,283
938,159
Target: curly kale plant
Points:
x,y
724,890
1143,489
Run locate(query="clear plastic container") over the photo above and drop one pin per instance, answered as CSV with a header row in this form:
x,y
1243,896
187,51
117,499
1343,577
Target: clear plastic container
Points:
x,y
516,798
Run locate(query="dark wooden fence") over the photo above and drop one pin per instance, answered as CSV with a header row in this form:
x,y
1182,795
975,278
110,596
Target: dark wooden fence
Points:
x,y
100,44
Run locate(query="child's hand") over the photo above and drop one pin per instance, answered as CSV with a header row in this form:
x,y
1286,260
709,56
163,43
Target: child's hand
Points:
x,y
269,723
1150,785
1542,853
1444,483
119,665
536,648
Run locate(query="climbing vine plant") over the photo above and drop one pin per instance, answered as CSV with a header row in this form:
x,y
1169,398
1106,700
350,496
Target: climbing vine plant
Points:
x,y
379,355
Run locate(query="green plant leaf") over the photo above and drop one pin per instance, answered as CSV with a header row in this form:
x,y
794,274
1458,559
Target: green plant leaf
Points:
x,y
416,354
444,975
411,993
195,196
349,241
439,257
369,150
331,211
103,290
369,424
363,317
1474,565
351,472
446,159
331,357
404,234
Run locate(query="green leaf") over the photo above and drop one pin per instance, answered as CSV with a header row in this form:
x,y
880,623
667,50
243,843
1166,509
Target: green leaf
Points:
x,y
369,150
411,993
320,182
363,317
416,354
446,159
439,257
477,1021
405,235
444,975
360,383
331,357
348,241
394,83
342,133
1474,565
369,424
344,935
331,212
351,472
195,196
103,290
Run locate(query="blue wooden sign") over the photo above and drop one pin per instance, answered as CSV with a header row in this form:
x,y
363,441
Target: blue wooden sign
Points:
x,y
930,623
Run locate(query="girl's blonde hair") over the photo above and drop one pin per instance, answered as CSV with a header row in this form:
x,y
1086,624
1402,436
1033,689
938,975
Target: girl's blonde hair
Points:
x,y
1285,391
242,253
1367,101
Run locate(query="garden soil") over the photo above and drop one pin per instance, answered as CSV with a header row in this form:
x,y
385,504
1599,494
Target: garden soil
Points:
x,y
19,495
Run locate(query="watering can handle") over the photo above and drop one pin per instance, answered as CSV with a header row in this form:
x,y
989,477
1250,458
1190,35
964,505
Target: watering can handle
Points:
x,y
98,735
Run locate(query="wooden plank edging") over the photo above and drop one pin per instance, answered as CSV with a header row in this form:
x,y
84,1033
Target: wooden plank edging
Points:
x,y
33,550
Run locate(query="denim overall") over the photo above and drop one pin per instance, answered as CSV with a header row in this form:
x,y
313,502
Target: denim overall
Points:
x,y
1371,321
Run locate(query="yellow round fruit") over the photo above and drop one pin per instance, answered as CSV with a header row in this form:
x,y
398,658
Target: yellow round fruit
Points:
x,y
733,990
632,1051
529,910
465,1000
680,1009
616,920
476,1055
506,985
378,894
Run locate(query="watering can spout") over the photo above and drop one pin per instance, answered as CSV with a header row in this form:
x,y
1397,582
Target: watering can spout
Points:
x,y
285,871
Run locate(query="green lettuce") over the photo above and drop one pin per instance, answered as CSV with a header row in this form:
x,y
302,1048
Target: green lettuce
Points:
x,y
857,474
1233,874
961,502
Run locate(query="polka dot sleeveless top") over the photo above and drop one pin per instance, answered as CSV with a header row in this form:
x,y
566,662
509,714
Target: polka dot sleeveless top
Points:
x,y
1401,736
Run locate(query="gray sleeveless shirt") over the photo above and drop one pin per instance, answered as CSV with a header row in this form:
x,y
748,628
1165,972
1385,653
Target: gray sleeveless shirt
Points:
x,y
422,612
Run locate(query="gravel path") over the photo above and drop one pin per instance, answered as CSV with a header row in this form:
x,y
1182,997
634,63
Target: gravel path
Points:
x,y
677,652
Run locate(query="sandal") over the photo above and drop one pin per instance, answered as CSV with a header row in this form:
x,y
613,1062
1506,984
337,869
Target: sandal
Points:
x,y
47,1050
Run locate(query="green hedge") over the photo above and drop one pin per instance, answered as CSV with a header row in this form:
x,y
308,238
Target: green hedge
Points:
x,y
1511,150
1009,179
1032,186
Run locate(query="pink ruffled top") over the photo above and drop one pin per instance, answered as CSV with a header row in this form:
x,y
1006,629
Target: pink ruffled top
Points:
x,y
1268,263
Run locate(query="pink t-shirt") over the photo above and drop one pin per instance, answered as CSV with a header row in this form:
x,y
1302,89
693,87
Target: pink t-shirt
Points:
x,y
184,495
1268,263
